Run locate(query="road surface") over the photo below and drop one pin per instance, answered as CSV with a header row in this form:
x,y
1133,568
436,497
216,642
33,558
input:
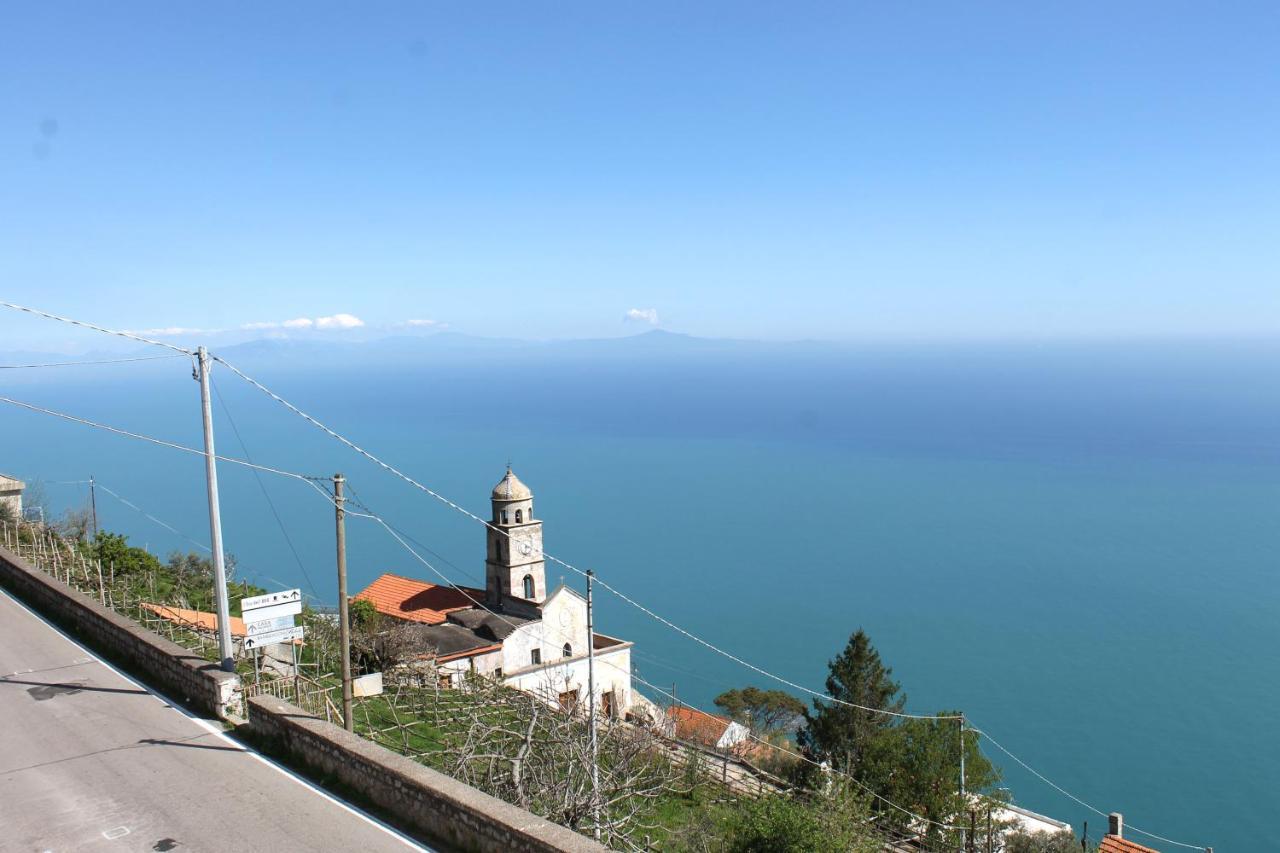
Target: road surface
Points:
x,y
90,760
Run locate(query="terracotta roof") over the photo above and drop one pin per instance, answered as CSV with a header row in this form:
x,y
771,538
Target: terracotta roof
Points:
x,y
1116,844
416,601
198,619
697,726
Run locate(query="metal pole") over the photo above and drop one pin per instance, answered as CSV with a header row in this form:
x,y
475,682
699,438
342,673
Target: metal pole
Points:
x,y
93,503
215,518
344,623
962,756
591,710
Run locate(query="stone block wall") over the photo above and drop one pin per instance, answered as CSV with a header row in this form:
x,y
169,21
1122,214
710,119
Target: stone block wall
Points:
x,y
429,802
178,672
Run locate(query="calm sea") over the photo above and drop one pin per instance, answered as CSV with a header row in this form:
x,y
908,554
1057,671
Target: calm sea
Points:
x,y
1074,544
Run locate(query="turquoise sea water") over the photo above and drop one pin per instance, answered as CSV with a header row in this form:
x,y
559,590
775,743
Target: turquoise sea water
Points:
x,y
1074,545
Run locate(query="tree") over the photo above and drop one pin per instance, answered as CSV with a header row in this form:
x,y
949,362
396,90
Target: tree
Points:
x,y
835,821
765,712
916,765
842,734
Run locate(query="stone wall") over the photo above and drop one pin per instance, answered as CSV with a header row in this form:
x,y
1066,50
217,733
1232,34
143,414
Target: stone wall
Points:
x,y
180,673
415,796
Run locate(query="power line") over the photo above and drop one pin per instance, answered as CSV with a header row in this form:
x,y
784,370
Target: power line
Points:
x,y
121,334
397,472
453,505
1072,796
158,441
79,363
373,516
270,503
139,509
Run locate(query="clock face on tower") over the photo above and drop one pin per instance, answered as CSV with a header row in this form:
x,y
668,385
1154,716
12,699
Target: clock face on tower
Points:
x,y
526,547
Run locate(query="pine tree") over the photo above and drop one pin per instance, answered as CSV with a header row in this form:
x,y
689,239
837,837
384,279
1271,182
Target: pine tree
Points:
x,y
842,734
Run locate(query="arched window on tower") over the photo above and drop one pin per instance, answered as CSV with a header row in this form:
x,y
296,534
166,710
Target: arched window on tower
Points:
x,y
519,516
568,650
528,587
504,516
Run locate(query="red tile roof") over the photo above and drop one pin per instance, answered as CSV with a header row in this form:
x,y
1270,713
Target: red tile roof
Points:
x,y
697,726
1116,844
417,601
196,619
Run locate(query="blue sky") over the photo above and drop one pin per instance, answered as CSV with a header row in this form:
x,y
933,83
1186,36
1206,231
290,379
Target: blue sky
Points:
x,y
836,171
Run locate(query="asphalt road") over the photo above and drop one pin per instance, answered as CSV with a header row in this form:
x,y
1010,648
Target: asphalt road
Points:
x,y
91,760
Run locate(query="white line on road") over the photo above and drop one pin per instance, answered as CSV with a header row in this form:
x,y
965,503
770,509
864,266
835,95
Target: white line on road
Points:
x,y
219,733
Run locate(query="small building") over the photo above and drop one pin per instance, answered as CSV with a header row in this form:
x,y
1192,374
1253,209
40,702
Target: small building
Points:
x,y
1115,842
699,727
11,489
513,629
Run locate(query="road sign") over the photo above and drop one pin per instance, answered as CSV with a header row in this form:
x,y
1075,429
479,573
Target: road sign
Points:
x,y
266,626
254,602
260,608
284,635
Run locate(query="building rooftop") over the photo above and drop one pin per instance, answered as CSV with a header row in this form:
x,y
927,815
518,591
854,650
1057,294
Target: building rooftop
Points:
x,y
697,726
195,619
415,600
450,641
9,482
1116,844
494,627
510,488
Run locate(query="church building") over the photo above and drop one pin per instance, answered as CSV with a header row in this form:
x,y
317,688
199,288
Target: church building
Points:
x,y
533,639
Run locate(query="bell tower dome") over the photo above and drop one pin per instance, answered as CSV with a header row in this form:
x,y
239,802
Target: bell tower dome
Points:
x,y
514,567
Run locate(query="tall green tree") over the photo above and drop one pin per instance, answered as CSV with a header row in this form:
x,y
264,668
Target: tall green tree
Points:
x,y
842,734
916,764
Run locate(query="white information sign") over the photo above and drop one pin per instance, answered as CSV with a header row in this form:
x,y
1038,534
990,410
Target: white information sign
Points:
x,y
273,605
266,626
284,635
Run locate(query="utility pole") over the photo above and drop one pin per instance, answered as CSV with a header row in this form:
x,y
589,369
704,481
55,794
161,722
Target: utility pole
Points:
x,y
215,517
93,504
344,623
591,710
962,756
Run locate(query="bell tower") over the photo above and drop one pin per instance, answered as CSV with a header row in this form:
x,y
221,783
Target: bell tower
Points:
x,y
514,567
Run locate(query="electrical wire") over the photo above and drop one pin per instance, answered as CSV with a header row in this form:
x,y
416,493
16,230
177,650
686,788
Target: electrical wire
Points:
x,y
121,334
403,476
79,363
270,503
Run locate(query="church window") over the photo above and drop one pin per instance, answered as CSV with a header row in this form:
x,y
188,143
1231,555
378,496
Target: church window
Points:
x,y
519,516
504,516
568,650
528,586
535,657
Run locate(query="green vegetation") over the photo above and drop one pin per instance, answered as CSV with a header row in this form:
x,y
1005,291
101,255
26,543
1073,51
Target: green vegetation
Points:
x,y
765,712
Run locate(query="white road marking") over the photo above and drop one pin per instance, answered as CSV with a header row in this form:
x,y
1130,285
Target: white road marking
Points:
x,y
221,735
113,834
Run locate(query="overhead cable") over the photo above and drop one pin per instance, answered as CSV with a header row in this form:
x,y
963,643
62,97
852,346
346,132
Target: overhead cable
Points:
x,y
122,334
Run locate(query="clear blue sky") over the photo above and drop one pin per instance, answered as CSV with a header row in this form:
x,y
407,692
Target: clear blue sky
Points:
x,y
895,170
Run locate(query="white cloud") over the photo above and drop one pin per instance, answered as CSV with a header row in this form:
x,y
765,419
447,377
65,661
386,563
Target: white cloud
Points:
x,y
420,324
300,323
174,331
256,326
642,315
338,321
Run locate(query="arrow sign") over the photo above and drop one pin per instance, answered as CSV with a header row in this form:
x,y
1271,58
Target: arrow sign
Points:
x,y
254,602
285,635
261,608
266,626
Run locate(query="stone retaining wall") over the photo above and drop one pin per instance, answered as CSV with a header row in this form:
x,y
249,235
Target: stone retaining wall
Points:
x,y
180,673
413,795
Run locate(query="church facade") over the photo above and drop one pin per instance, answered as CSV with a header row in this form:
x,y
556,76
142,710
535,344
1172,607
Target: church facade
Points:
x,y
532,639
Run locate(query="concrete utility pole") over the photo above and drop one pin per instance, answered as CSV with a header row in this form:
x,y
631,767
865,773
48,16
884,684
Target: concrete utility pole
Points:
x,y
215,517
591,709
93,504
344,622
